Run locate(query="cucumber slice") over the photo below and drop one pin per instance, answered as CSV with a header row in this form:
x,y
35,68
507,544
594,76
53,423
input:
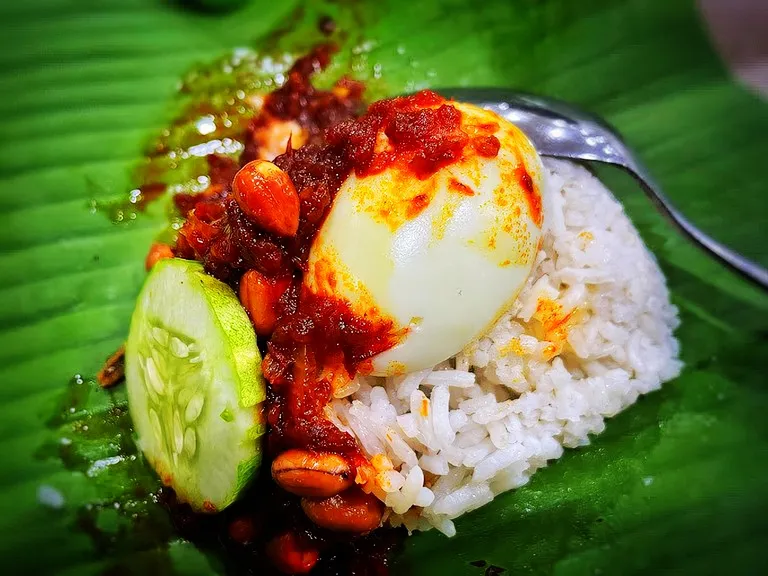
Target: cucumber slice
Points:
x,y
195,388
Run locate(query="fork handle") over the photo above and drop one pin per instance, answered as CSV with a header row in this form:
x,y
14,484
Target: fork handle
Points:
x,y
738,263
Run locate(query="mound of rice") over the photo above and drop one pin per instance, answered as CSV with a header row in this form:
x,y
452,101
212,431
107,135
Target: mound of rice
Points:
x,y
590,332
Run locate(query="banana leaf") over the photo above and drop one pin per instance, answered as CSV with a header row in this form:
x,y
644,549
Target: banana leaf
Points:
x,y
677,483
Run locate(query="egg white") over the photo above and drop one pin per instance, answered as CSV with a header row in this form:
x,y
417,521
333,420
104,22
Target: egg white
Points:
x,y
442,272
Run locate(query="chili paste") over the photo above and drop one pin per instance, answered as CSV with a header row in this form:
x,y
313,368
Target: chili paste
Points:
x,y
315,336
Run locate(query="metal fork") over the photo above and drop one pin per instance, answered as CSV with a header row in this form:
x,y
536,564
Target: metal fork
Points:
x,y
560,130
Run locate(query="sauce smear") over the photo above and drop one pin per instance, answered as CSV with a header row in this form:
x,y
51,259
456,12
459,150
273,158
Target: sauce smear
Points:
x,y
318,341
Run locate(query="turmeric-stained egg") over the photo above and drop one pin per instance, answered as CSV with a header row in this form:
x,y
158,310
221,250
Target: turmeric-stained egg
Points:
x,y
443,256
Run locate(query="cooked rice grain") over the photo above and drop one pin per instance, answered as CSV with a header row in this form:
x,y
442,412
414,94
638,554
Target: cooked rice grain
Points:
x,y
591,330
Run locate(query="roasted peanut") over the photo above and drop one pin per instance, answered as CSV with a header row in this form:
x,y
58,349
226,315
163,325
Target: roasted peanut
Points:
x,y
314,474
290,554
158,251
259,295
267,196
350,511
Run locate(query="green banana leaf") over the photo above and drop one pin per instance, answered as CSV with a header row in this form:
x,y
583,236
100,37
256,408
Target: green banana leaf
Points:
x,y
677,483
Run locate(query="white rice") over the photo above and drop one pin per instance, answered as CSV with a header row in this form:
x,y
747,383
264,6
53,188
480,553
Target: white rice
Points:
x,y
512,401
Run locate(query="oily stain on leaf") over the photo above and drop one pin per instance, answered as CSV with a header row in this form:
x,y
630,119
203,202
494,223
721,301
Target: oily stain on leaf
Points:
x,y
217,101
93,436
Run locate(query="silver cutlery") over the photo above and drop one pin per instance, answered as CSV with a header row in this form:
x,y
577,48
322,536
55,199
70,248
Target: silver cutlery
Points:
x,y
560,130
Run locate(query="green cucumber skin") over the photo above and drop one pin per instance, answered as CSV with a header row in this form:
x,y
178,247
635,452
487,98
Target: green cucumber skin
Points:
x,y
224,454
244,352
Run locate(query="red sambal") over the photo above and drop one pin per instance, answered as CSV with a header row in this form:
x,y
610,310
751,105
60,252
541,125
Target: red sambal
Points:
x,y
311,340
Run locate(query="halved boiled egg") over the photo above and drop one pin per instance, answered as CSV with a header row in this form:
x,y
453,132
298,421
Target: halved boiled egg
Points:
x,y
443,256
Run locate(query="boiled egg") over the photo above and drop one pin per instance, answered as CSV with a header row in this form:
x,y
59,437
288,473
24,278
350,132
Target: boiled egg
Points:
x,y
442,257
